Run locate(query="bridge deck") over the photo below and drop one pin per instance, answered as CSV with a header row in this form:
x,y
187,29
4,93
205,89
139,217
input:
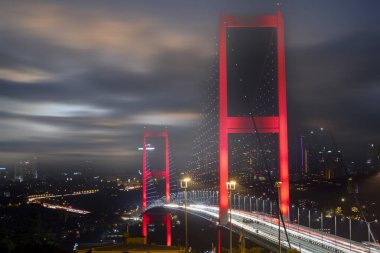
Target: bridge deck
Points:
x,y
266,227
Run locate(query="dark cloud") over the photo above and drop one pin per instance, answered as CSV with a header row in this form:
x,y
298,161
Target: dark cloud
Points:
x,y
337,86
79,81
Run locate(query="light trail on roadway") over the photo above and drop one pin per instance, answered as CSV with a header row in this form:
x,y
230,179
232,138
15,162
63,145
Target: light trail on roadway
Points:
x,y
66,208
35,197
301,238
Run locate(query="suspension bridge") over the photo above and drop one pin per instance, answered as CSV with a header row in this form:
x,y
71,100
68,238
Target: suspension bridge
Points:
x,y
243,135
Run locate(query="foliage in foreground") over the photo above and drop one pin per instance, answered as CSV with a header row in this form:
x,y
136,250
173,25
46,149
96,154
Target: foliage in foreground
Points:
x,y
28,237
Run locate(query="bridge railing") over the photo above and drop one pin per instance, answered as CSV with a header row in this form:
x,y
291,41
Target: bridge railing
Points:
x,y
312,219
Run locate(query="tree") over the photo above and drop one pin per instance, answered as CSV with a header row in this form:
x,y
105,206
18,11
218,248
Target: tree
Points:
x,y
6,245
254,250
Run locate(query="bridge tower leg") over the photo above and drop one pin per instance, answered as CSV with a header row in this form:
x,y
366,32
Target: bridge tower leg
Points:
x,y
283,119
166,218
168,230
145,222
219,241
155,174
264,124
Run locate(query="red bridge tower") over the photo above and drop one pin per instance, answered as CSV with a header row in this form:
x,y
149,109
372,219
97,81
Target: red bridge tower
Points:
x,y
265,124
155,174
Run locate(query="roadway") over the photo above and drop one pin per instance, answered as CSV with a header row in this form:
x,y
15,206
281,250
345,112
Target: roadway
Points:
x,y
266,227
66,208
35,197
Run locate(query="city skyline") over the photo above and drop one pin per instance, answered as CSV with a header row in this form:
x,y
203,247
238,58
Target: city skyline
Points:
x,y
80,81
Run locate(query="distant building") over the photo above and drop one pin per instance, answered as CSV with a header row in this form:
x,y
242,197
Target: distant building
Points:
x,y
373,159
247,159
4,175
330,164
302,156
26,170
316,154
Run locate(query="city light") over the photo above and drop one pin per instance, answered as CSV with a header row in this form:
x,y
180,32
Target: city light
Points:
x,y
148,147
184,182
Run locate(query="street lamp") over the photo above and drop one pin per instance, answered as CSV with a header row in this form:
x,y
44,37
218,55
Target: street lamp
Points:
x,y
322,221
369,230
278,185
231,185
349,222
271,207
184,186
298,216
263,206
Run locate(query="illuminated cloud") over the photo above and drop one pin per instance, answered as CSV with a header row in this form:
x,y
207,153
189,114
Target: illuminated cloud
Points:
x,y
132,41
166,118
68,110
51,109
27,75
19,129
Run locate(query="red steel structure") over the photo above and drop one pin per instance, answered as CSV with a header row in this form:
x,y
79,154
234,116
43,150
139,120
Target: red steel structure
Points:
x,y
158,218
265,124
155,174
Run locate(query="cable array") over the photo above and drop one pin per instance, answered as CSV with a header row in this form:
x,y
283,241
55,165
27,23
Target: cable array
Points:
x,y
203,168
245,163
152,189
252,86
156,186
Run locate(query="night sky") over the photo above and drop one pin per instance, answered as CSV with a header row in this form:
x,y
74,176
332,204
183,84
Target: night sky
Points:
x,y
80,79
